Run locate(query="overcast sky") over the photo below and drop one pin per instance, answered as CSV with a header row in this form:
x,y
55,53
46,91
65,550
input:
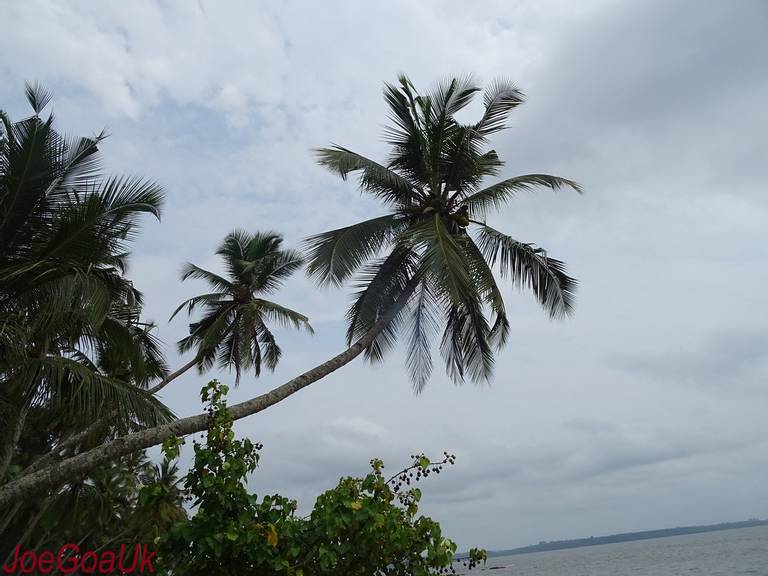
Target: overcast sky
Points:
x,y
647,409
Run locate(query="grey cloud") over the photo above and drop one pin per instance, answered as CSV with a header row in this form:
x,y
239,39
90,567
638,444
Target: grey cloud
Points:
x,y
614,420
733,360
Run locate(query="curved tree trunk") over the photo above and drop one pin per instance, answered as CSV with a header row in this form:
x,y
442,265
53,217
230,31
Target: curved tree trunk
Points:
x,y
79,465
75,439
171,377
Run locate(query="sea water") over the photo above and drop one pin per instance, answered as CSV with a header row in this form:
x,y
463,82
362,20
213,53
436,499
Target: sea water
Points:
x,y
724,553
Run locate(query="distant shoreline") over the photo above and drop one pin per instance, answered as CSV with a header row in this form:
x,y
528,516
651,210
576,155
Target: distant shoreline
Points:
x,y
625,537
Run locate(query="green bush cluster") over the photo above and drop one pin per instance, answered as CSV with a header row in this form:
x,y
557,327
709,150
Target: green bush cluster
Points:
x,y
364,526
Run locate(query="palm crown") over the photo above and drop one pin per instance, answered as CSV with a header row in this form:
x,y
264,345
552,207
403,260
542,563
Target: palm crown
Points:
x,y
71,336
233,329
430,258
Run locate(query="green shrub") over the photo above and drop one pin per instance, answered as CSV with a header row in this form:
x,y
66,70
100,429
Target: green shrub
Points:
x,y
364,526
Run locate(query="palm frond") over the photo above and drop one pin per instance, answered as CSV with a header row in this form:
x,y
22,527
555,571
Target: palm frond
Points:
x,y
195,272
29,169
262,245
465,345
529,267
79,168
478,353
37,96
93,228
281,315
230,350
423,326
451,344
488,164
210,299
446,100
127,349
75,300
128,197
495,196
500,98
234,248
408,135
487,291
207,333
269,351
147,358
75,389
247,255
464,163
379,287
451,96
380,181
335,255
277,268
442,258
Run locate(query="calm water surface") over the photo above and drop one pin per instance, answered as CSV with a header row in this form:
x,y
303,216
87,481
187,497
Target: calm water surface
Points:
x,y
724,553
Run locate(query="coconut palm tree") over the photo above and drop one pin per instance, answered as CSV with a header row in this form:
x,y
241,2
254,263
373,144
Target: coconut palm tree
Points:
x,y
425,267
233,330
65,303
430,257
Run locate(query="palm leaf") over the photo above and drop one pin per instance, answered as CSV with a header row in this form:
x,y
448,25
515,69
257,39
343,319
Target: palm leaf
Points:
x,y
488,291
422,327
37,96
381,182
500,98
191,271
335,255
379,286
280,314
211,299
74,388
464,163
272,351
497,195
441,258
276,268
229,349
29,170
530,267
127,197
465,345
448,99
408,135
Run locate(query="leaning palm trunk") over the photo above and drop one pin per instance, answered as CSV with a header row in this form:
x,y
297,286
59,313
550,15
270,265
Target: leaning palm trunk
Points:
x,y
171,377
75,439
79,465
